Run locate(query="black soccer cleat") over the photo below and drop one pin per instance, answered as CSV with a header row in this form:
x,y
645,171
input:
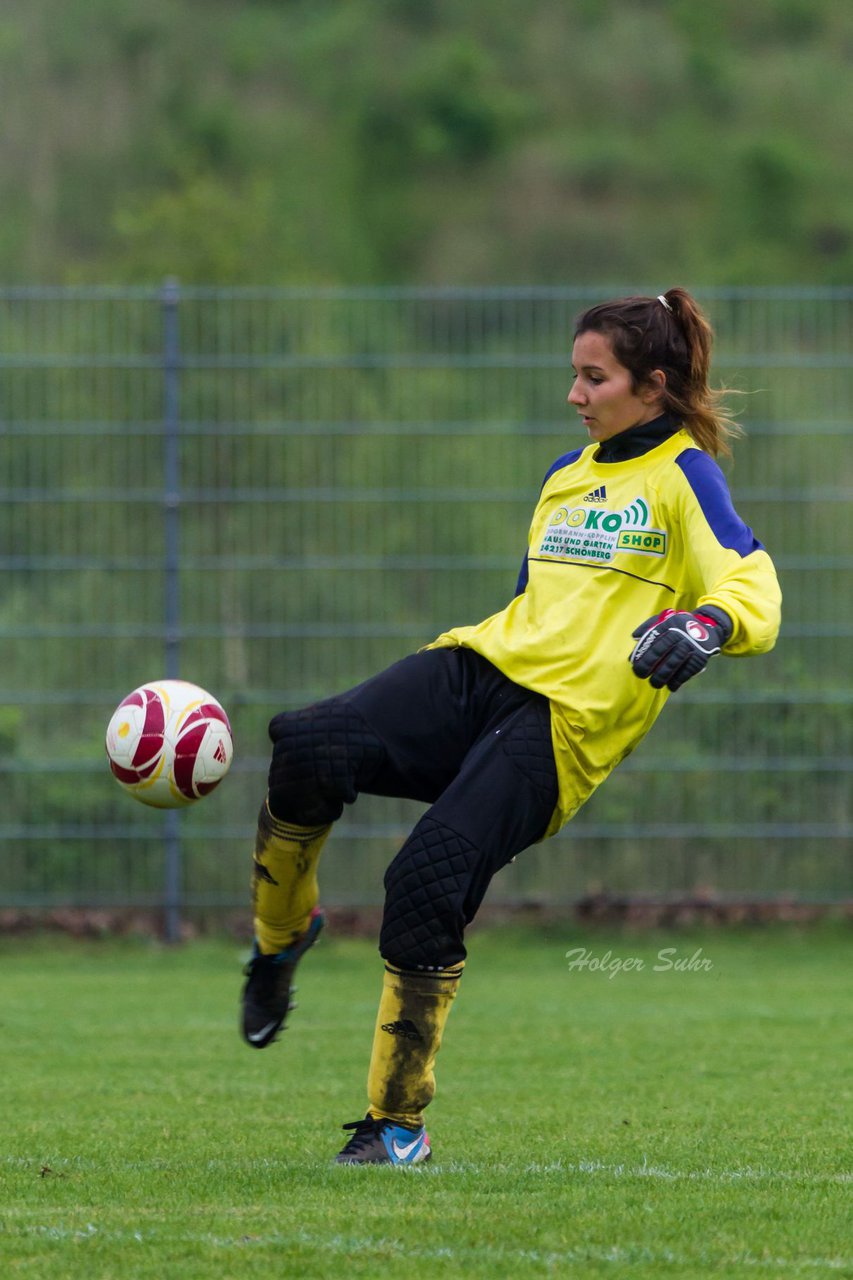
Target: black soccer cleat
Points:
x,y
383,1142
267,994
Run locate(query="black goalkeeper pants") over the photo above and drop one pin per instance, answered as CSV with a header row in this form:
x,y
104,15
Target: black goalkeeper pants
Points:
x,y
445,727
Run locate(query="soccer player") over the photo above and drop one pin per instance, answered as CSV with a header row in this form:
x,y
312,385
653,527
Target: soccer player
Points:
x,y
638,572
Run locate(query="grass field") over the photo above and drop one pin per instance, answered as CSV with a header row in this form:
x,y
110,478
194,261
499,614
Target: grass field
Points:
x,y
684,1122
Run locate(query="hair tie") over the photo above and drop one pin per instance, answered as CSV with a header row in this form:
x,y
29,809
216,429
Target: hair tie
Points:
x,y
662,300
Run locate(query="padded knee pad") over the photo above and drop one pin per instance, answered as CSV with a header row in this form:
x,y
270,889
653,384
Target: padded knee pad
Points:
x,y
321,757
528,747
427,898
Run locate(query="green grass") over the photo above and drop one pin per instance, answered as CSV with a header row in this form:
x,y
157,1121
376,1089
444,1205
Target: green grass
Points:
x,y
650,1124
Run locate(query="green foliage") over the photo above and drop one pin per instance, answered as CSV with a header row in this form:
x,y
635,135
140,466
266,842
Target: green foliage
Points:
x,y
418,140
357,475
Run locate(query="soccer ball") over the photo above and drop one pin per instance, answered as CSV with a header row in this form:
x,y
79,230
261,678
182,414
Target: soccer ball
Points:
x,y
169,743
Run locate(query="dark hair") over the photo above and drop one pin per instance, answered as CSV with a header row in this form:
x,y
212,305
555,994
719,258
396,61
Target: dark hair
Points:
x,y
670,333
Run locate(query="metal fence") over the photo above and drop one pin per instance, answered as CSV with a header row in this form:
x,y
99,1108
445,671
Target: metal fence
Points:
x,y
278,492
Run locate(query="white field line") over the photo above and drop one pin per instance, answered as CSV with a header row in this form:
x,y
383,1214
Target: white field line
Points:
x,y
745,1173
346,1246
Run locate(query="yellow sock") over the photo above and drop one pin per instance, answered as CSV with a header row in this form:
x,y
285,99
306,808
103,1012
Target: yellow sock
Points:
x,y
409,1026
284,880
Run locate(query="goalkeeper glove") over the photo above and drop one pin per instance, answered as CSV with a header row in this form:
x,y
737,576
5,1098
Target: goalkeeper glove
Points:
x,y
674,646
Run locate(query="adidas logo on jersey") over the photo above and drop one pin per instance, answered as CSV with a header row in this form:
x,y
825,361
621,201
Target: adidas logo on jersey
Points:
x,y
597,495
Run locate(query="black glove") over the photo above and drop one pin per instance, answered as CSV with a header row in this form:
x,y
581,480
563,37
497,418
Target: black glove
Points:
x,y
672,647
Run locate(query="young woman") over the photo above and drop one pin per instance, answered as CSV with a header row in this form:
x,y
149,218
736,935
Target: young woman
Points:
x,y
638,571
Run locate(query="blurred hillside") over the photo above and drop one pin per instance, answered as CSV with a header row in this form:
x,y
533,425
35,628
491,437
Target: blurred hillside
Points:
x,y
536,141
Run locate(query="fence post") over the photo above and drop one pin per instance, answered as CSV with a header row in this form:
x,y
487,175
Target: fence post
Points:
x,y
169,300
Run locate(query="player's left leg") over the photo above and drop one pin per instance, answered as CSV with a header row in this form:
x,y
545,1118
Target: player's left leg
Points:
x,y
501,802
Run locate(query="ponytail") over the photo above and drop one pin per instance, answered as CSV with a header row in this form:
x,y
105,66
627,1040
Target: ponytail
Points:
x,y
671,333
700,407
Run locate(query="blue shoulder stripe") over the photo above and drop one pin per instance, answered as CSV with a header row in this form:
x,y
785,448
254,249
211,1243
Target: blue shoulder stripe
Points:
x,y
712,493
565,460
521,585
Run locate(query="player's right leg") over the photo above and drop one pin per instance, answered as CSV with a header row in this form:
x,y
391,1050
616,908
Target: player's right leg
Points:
x,y
287,920
323,756
319,756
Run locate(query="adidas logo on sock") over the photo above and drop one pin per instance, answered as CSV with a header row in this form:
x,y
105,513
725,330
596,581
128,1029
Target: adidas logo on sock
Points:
x,y
406,1029
597,495
262,873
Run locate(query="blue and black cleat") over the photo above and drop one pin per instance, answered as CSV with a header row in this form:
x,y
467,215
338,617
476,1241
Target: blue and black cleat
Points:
x,y
383,1142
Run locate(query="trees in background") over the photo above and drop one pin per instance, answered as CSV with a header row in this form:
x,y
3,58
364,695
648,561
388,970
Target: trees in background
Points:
x,y
535,141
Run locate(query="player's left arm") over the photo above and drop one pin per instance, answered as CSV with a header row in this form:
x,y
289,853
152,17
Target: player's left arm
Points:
x,y
737,608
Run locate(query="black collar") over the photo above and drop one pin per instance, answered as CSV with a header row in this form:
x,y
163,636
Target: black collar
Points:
x,y
636,441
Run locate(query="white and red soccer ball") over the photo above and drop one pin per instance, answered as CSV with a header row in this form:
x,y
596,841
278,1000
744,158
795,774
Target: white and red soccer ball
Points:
x,y
169,743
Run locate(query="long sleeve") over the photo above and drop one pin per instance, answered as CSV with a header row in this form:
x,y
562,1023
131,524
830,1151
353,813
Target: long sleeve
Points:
x,y
730,567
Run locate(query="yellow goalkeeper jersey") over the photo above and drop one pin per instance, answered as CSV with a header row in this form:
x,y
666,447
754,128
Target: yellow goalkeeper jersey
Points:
x,y
612,544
